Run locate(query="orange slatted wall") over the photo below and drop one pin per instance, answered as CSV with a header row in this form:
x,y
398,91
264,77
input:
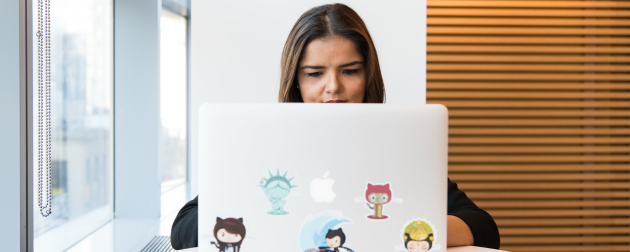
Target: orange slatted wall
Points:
x,y
539,100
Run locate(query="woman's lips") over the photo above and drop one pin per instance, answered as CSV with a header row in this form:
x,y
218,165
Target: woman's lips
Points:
x,y
335,101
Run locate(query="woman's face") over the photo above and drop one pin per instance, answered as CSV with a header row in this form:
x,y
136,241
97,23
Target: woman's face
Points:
x,y
331,70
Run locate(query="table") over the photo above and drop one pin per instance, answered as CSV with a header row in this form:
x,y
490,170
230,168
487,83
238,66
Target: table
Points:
x,y
452,249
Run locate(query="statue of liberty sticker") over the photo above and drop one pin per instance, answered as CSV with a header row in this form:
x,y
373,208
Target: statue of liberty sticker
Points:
x,y
277,188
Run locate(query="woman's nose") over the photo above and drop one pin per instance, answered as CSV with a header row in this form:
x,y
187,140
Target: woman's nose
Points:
x,y
334,85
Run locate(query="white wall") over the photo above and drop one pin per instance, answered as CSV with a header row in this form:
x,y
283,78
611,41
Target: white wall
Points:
x,y
236,48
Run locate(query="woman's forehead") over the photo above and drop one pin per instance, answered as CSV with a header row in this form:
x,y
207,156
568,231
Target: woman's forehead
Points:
x,y
330,52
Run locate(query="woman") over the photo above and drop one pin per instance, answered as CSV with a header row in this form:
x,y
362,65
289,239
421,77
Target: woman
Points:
x,y
329,57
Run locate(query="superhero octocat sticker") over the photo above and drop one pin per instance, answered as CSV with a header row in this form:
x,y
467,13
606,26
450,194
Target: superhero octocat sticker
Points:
x,y
419,235
277,188
322,233
229,234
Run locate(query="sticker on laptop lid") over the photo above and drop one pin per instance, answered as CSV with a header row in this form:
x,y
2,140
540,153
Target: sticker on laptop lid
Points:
x,y
229,234
323,233
277,188
418,235
377,196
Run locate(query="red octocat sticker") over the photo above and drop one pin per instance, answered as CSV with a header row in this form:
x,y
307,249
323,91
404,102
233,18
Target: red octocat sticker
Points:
x,y
377,196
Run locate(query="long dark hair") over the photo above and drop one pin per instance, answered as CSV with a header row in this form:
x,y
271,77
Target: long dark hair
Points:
x,y
326,21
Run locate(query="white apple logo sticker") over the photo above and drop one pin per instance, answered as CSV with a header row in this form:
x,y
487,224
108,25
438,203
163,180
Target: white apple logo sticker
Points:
x,y
322,189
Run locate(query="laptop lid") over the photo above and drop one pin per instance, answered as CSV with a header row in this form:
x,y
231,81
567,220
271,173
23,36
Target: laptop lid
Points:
x,y
322,177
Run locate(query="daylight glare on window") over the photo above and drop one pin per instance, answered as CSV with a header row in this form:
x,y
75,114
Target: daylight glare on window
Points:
x,y
173,98
82,132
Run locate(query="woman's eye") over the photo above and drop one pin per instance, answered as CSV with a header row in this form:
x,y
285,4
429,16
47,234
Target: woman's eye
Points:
x,y
350,71
315,74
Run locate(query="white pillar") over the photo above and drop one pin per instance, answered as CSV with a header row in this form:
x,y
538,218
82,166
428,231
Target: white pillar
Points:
x,y
136,106
13,183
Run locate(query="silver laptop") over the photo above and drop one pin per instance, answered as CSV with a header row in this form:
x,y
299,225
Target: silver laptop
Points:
x,y
322,177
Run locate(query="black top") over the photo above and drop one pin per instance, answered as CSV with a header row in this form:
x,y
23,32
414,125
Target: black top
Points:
x,y
481,224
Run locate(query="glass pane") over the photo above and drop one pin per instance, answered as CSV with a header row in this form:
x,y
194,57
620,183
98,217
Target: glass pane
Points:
x,y
173,90
82,135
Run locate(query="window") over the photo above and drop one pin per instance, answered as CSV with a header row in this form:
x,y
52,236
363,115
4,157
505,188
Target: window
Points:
x,y
82,131
173,98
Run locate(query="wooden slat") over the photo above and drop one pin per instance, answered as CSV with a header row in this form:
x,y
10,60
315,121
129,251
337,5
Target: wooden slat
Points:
x,y
546,195
503,222
517,21
525,13
513,49
484,185
528,95
541,122
560,240
559,248
552,204
530,4
536,159
557,213
455,168
540,131
524,40
526,58
540,177
526,77
434,85
526,104
467,30
538,140
536,149
561,221
565,230
539,113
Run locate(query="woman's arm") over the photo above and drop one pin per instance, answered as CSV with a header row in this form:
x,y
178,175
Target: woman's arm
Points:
x,y
184,230
466,218
458,232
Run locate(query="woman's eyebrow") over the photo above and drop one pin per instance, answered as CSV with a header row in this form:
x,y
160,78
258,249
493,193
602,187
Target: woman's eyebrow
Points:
x,y
351,63
344,65
313,67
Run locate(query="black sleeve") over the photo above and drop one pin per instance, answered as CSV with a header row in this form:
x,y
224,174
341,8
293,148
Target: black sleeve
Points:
x,y
481,224
184,230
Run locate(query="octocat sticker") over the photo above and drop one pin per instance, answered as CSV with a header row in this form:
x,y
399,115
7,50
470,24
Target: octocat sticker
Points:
x,y
377,196
323,233
229,234
277,188
418,235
